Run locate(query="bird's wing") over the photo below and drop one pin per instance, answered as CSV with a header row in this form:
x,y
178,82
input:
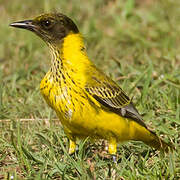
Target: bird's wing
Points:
x,y
111,96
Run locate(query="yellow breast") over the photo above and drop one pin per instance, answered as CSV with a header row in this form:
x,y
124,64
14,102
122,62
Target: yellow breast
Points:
x,y
65,97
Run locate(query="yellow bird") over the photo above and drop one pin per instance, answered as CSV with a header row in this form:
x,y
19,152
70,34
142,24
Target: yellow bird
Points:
x,y
87,102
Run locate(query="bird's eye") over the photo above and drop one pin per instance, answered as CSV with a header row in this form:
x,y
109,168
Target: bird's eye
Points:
x,y
47,24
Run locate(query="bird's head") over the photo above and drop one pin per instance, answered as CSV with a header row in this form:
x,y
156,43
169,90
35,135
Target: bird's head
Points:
x,y
51,27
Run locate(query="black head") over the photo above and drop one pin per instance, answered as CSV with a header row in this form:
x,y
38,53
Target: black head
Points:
x,y
51,27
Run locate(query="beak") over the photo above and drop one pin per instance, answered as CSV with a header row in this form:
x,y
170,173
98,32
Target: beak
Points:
x,y
28,24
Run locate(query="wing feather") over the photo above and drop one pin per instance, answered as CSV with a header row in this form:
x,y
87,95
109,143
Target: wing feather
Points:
x,y
111,96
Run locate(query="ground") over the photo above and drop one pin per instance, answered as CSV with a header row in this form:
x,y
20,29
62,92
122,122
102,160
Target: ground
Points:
x,y
135,42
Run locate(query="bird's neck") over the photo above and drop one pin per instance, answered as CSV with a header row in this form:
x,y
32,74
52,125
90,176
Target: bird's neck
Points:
x,y
70,54
70,58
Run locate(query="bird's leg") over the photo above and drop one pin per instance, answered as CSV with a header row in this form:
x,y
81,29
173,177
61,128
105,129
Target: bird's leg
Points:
x,y
113,149
72,140
72,146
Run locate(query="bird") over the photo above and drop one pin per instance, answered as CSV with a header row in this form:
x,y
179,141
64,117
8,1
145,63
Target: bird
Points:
x,y
87,102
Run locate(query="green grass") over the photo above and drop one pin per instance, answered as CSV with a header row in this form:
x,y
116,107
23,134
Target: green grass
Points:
x,y
135,42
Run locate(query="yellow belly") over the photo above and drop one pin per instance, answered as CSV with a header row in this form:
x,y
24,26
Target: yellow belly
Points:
x,y
101,125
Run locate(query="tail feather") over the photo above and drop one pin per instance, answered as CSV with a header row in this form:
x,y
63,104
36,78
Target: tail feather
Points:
x,y
140,133
159,144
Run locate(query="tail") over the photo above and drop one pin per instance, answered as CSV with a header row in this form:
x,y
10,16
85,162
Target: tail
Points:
x,y
141,133
157,143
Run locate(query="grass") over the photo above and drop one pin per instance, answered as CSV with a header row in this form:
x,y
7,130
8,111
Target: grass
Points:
x,y
137,43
